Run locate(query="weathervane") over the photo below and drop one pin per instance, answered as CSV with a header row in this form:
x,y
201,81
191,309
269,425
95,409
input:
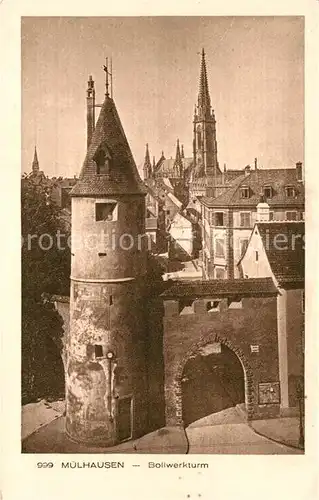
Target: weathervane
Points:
x,y
107,74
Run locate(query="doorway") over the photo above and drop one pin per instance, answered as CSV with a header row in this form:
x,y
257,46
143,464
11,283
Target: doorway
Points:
x,y
212,381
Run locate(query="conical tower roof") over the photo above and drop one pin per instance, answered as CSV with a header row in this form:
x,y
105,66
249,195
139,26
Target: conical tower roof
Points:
x,y
109,142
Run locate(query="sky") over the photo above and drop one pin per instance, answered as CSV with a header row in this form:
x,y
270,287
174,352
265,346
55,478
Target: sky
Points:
x,y
255,69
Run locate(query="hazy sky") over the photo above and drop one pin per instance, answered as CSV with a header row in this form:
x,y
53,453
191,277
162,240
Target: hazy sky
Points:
x,y
255,75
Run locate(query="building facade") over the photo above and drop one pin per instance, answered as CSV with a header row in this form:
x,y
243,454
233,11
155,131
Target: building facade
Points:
x,y
228,219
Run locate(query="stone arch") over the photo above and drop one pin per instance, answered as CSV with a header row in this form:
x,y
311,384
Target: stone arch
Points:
x,y
194,349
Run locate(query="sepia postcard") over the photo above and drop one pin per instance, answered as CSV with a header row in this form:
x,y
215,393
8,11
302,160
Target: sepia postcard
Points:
x,y
166,301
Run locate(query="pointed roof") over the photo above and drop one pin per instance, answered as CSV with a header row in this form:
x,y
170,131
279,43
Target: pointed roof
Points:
x,y
109,142
147,156
147,163
178,158
35,163
203,94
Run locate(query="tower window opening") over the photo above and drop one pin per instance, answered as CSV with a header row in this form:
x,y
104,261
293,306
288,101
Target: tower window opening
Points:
x,y
105,211
235,303
111,300
186,306
98,351
213,306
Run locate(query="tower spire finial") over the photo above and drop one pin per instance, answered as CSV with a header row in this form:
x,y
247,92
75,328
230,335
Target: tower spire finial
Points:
x,y
203,95
106,77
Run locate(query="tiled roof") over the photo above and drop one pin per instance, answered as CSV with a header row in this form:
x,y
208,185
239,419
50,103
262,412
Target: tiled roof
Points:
x,y
221,288
277,178
284,246
123,177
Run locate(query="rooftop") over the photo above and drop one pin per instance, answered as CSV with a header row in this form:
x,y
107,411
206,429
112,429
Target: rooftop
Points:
x,y
284,246
277,178
109,144
221,288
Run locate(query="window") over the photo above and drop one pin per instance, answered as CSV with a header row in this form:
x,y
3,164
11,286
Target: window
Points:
x,y
219,273
244,192
102,161
235,303
105,211
243,242
220,248
186,306
256,256
213,306
267,191
271,216
245,219
98,351
290,191
291,215
219,219
302,215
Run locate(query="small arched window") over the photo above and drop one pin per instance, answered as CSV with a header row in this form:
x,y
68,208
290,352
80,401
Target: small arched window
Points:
x,y
103,162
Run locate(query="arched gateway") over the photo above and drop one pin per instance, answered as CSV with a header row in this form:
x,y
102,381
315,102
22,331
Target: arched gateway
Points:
x,y
213,375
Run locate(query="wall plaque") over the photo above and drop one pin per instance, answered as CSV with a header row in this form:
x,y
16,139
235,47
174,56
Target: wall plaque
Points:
x,y
269,393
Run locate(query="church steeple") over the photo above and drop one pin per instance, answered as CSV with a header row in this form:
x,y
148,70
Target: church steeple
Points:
x,y
35,163
178,163
204,142
147,168
203,94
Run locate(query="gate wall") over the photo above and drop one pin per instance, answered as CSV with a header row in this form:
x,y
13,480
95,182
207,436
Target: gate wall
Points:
x,y
241,330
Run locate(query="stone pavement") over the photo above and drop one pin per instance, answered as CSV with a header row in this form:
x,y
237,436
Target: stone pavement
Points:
x,y
282,430
51,438
224,432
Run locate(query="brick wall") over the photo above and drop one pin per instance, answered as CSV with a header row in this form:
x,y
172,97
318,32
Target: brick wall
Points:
x,y
254,324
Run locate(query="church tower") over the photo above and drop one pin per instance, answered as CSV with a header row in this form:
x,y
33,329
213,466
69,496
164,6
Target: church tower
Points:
x,y
106,383
204,142
35,163
147,167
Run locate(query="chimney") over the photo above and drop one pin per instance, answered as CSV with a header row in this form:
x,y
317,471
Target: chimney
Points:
x,y
90,116
262,211
247,170
299,171
255,163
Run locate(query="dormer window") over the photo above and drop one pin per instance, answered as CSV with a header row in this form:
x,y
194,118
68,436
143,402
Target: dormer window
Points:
x,y
290,191
244,192
267,191
103,162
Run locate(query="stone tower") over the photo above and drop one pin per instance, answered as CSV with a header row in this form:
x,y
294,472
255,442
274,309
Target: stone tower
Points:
x,y
204,142
105,350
